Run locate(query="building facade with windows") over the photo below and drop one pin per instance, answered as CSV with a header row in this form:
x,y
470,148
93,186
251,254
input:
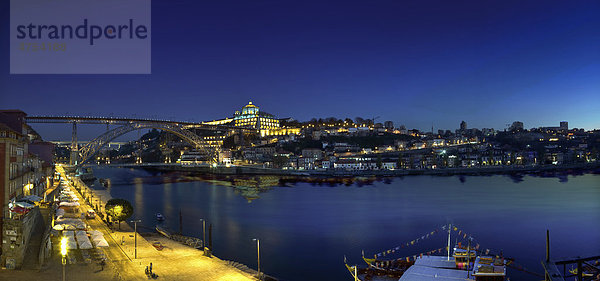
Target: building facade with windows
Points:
x,y
252,117
22,172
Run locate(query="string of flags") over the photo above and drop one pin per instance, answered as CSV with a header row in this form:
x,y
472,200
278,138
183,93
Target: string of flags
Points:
x,y
414,257
411,243
427,253
443,229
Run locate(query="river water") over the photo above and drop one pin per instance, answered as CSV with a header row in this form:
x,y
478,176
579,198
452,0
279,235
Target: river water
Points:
x,y
306,229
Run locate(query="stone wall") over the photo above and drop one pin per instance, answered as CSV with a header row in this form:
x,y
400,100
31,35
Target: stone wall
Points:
x,y
16,236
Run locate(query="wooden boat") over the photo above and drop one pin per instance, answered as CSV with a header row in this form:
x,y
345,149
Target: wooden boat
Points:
x,y
353,270
104,182
389,268
441,267
573,271
163,231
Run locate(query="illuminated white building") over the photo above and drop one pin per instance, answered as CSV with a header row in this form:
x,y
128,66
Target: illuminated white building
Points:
x,y
251,117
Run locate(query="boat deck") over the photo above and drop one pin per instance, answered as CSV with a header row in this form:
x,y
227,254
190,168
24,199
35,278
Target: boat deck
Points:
x,y
436,261
437,268
426,273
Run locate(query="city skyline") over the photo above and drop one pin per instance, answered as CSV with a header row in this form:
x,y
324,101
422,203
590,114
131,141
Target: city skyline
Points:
x,y
272,140
56,132
414,64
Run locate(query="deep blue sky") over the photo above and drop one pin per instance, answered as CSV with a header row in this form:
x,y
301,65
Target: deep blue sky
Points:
x,y
416,63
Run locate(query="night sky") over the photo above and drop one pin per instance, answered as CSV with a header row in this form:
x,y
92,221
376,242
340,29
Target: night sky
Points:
x,y
418,63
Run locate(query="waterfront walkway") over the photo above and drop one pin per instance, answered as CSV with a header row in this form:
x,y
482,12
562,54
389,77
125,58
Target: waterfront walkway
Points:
x,y
174,262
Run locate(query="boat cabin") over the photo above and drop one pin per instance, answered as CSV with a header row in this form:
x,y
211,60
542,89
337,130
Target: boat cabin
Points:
x,y
488,268
461,255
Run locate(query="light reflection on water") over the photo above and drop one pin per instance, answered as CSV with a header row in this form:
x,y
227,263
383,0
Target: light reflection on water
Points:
x,y
138,203
167,206
307,228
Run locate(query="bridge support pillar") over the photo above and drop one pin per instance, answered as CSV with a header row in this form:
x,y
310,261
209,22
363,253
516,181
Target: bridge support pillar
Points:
x,y
74,150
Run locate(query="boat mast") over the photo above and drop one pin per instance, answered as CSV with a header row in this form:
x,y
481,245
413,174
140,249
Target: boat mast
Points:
x,y
469,258
449,228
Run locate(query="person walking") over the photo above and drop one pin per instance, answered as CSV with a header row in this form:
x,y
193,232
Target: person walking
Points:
x,y
150,268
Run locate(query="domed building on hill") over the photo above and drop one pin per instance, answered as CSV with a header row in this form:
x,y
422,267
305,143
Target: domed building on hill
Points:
x,y
251,117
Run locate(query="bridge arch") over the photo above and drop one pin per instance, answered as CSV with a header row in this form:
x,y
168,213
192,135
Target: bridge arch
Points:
x,y
91,148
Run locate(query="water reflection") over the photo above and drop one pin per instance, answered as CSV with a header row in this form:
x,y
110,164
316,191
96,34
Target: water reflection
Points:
x,y
167,201
516,178
139,195
251,187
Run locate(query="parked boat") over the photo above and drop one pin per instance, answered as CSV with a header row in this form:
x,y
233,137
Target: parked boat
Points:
x,y
160,217
104,182
464,263
86,175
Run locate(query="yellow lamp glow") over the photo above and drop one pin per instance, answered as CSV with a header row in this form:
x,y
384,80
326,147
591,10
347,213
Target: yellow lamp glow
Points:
x,y
63,246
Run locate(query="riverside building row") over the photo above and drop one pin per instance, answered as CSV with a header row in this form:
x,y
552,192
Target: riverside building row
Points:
x,y
26,169
362,144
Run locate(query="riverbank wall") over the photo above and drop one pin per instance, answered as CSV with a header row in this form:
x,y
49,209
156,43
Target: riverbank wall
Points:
x,y
253,170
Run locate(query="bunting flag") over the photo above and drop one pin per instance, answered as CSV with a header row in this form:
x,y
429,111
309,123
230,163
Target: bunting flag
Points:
x,y
461,232
443,229
407,258
413,242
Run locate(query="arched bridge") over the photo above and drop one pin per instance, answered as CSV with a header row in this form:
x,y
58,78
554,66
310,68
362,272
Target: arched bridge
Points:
x,y
91,148
126,125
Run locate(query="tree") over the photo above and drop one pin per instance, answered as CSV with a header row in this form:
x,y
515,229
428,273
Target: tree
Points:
x,y
280,161
540,154
400,162
119,210
359,120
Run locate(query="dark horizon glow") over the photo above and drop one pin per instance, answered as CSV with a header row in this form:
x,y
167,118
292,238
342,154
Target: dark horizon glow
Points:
x,y
418,64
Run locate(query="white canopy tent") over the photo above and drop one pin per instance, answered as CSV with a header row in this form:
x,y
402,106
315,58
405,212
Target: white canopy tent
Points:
x,y
101,243
84,242
69,204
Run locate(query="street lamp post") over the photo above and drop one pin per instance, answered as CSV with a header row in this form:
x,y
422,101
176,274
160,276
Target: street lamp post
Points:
x,y
63,252
135,236
258,255
203,236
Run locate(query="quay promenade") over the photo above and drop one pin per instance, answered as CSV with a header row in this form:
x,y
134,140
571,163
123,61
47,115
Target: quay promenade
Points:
x,y
174,262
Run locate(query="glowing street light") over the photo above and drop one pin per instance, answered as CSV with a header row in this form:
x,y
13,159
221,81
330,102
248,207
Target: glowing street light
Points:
x,y
135,236
258,254
203,236
63,252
